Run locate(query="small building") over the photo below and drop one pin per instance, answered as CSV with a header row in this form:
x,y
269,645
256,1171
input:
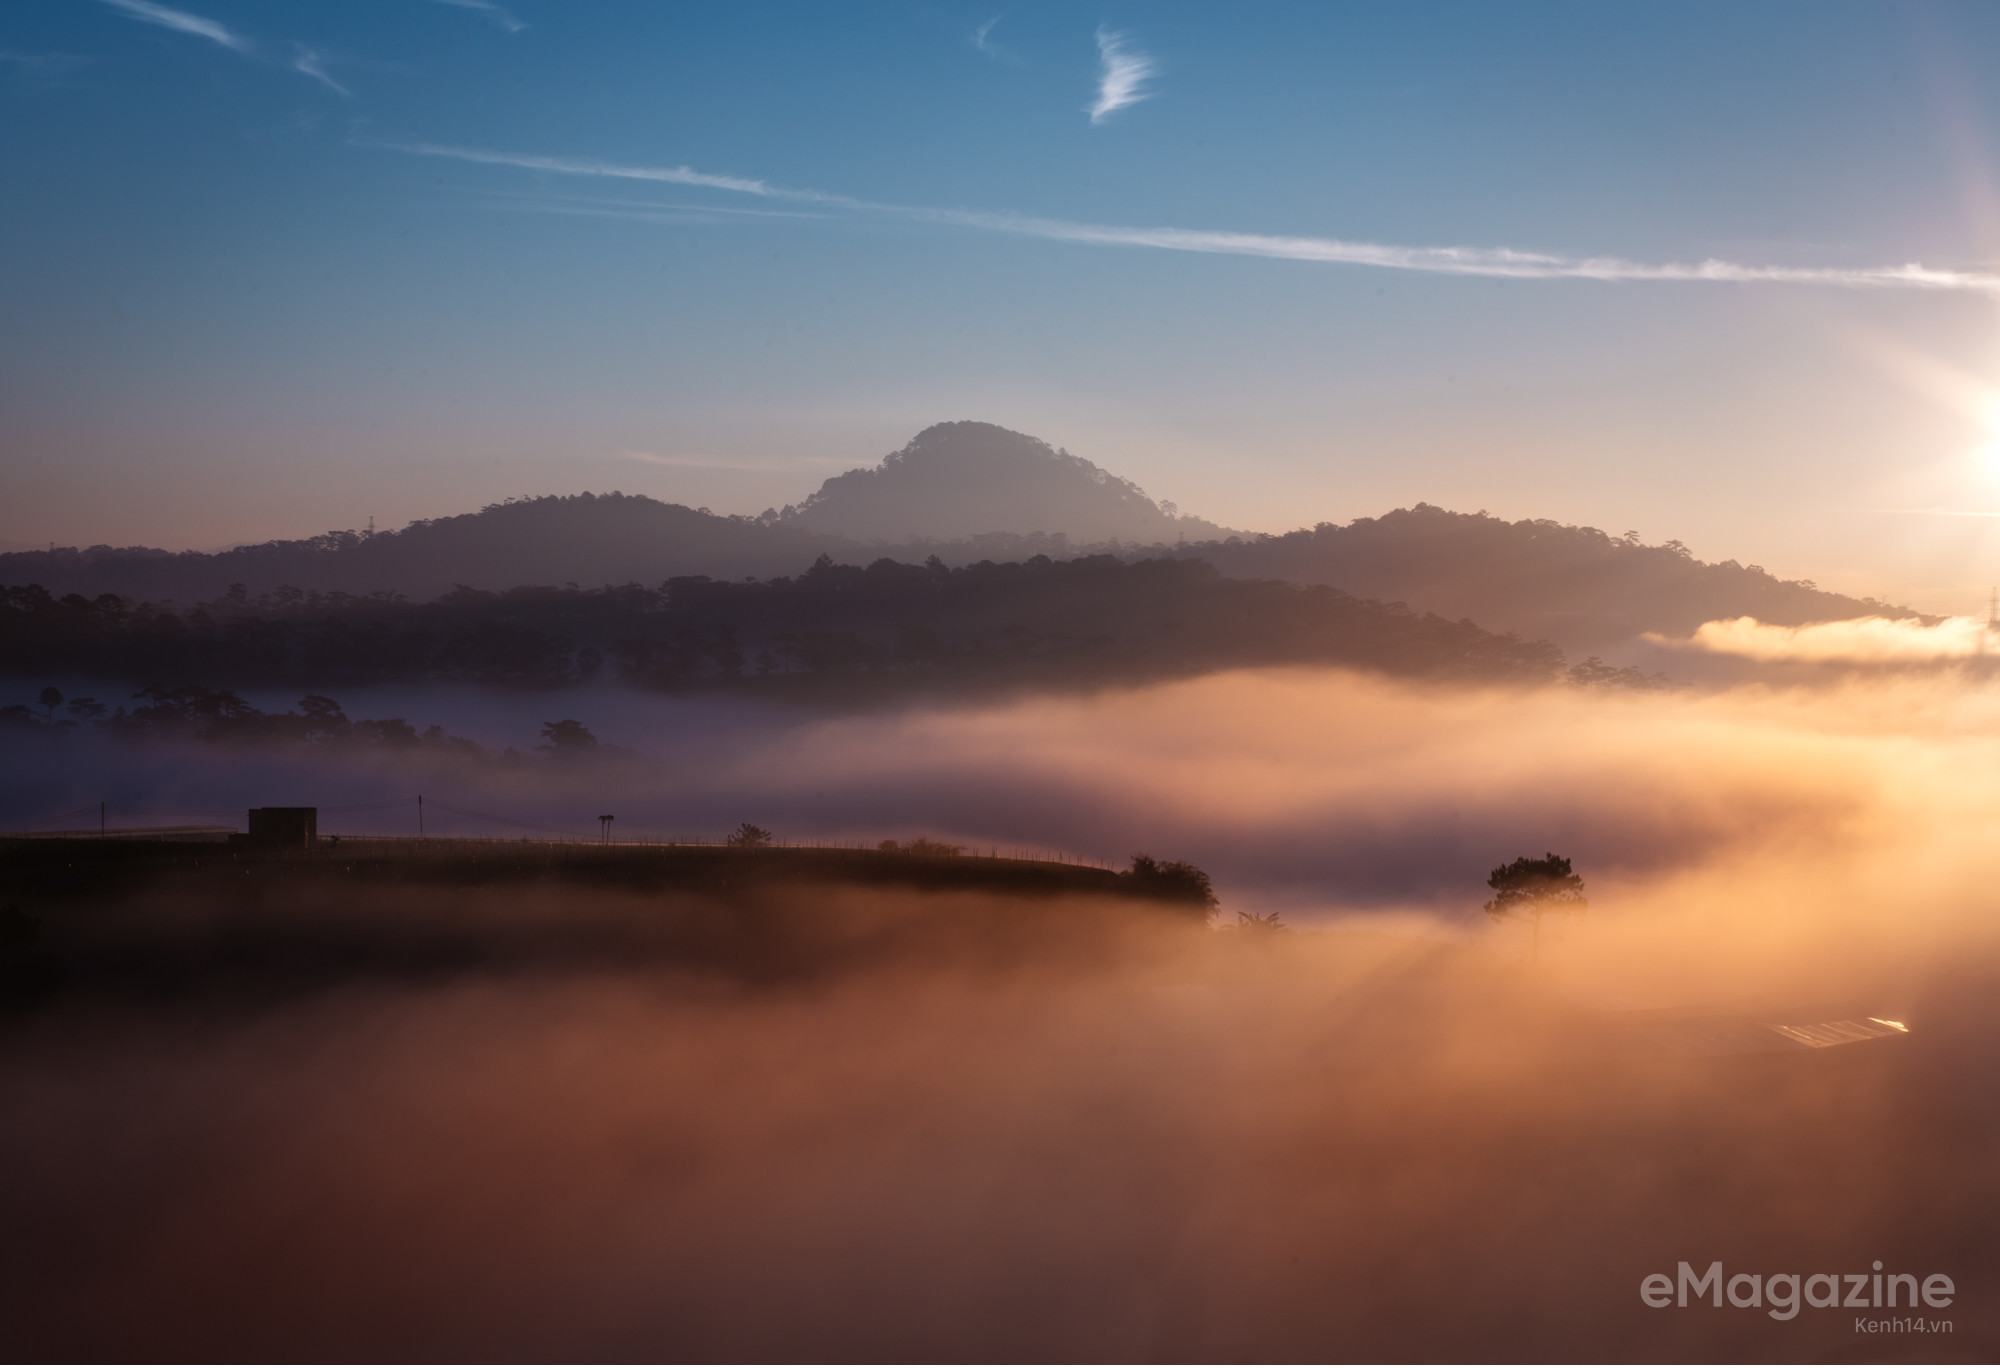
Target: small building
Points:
x,y
296,827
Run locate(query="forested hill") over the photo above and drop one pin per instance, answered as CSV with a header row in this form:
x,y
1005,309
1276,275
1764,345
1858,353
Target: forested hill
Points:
x,y
885,628
582,539
587,539
1581,588
963,491
1578,587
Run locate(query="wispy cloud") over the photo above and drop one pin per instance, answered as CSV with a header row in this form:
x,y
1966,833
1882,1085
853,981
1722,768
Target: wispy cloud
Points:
x,y
489,11
306,60
1478,261
982,38
573,166
1499,262
182,22
1125,71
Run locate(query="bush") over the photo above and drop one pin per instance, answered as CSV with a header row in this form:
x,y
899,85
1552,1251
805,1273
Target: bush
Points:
x,y
921,846
1172,882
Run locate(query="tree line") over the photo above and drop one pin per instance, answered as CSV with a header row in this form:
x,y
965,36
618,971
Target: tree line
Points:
x,y
1088,619
223,717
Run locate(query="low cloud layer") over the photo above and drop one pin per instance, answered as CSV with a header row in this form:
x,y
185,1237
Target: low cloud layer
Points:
x,y
545,1129
1315,793
1860,641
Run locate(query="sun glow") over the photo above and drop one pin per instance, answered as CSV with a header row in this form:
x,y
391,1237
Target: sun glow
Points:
x,y
1968,393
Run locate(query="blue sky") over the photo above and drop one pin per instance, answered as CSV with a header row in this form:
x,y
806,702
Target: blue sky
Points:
x,y
273,268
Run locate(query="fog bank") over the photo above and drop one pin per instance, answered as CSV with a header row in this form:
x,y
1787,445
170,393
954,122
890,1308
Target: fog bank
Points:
x,y
964,1128
1314,792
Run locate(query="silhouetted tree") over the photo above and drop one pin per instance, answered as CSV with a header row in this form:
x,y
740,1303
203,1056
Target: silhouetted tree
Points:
x,y
1528,887
1592,671
1086,618
1260,922
1173,882
324,717
921,846
567,737
49,698
389,732
749,835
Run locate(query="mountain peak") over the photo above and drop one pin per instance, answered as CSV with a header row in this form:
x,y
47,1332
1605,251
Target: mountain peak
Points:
x,y
964,479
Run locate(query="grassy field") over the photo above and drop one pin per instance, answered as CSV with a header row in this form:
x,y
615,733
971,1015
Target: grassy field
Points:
x,y
68,869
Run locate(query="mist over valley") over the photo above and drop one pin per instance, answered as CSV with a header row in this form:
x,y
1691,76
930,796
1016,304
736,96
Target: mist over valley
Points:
x,y
769,683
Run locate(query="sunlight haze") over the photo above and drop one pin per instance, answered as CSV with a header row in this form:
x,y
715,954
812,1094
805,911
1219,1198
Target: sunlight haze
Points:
x,y
280,269
941,683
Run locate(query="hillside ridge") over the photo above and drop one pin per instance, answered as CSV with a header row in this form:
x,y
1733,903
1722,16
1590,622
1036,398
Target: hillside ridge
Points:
x,y
1584,589
967,479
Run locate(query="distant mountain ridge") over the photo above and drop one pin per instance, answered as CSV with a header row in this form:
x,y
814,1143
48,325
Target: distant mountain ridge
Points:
x,y
553,540
1581,588
965,479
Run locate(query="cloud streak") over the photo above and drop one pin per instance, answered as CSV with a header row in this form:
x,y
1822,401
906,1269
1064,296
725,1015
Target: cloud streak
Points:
x,y
1124,71
617,171
304,60
182,22
1493,262
308,62
982,38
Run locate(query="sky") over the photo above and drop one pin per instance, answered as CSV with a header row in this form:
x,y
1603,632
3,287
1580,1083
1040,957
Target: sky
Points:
x,y
1716,273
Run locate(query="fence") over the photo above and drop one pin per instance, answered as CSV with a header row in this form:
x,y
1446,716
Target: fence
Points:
x,y
967,852
553,837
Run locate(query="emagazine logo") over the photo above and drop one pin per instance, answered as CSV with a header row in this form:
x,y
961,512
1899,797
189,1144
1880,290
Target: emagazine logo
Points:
x,y
1781,1295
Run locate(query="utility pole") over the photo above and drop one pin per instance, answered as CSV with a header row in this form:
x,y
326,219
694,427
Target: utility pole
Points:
x,y
100,820
420,817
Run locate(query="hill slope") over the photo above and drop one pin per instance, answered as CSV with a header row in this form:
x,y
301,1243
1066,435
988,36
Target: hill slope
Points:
x,y
889,629
589,539
971,492
960,480
1578,587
